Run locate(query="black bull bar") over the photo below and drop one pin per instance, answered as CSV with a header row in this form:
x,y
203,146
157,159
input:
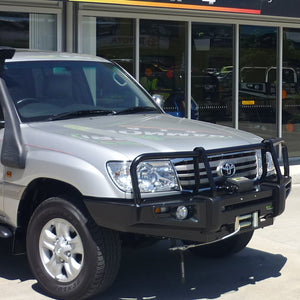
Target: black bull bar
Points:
x,y
200,155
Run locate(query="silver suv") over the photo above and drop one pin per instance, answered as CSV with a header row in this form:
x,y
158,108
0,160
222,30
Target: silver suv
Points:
x,y
91,163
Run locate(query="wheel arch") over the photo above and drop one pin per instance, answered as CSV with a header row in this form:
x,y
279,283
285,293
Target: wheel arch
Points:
x,y
35,193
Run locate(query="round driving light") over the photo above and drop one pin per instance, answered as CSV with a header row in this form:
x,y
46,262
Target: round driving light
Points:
x,y
181,212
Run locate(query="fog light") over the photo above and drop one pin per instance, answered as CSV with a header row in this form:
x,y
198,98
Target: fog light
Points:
x,y
181,212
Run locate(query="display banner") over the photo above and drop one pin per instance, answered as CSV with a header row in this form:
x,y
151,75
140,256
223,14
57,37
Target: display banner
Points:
x,y
284,8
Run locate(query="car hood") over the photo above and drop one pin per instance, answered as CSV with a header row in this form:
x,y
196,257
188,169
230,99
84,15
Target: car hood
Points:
x,y
131,135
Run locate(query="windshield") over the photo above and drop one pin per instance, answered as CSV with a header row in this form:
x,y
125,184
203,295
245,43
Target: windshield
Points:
x,y
53,90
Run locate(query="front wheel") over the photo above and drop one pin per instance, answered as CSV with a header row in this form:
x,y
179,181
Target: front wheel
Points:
x,y
224,247
70,256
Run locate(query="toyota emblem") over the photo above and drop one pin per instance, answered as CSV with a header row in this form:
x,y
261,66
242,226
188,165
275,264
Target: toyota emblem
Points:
x,y
226,169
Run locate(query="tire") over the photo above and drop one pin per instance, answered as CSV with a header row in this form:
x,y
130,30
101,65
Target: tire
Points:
x,y
69,255
224,247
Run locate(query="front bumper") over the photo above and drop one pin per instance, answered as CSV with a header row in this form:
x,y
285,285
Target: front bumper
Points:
x,y
209,219
212,214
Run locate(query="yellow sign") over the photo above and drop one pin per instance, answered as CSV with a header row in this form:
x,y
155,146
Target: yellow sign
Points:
x,y
248,102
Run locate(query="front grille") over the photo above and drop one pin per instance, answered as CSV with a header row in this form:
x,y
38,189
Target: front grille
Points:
x,y
245,165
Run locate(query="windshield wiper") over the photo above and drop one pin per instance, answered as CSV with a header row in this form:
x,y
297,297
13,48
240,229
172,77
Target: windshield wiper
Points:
x,y
81,113
136,109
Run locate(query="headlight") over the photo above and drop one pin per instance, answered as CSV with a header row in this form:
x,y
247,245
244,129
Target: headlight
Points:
x,y
269,161
153,176
157,176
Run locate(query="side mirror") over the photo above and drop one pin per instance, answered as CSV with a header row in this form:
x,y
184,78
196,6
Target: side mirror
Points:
x,y
158,99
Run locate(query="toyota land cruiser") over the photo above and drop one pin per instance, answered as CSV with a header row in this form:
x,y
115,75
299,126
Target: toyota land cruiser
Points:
x,y
89,161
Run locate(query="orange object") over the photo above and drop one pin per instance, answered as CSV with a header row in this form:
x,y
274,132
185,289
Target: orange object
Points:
x,y
289,127
157,210
283,94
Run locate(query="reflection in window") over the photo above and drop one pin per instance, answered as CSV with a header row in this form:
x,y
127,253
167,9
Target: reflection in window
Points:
x,y
111,38
14,29
115,41
212,71
162,63
290,90
258,80
24,30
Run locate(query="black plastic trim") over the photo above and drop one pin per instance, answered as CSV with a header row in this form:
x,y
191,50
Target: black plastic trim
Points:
x,y
5,53
13,152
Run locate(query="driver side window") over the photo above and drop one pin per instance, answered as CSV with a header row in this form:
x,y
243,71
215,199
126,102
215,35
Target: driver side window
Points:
x,y
19,83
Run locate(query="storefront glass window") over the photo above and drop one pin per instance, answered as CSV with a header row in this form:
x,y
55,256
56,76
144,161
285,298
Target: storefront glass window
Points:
x,y
24,30
290,90
212,60
257,107
115,40
112,38
14,29
162,63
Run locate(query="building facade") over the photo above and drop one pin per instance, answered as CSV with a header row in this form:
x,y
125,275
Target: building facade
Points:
x,y
235,63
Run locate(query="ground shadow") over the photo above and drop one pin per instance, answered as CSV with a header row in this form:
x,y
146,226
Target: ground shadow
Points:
x,y
154,273
13,266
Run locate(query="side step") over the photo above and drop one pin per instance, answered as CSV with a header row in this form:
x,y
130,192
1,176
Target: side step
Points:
x,y
5,232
